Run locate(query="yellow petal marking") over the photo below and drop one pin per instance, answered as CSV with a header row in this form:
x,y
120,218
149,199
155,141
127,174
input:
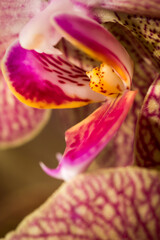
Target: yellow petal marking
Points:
x,y
104,80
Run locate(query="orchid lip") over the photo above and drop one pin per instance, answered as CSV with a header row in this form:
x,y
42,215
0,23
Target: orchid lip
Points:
x,y
102,46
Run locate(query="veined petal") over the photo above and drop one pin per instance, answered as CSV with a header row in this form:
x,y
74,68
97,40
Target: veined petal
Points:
x,y
145,7
86,139
103,205
45,81
147,145
18,122
96,41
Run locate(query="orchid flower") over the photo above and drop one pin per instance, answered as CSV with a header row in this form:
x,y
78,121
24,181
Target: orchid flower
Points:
x,y
121,203
18,122
41,78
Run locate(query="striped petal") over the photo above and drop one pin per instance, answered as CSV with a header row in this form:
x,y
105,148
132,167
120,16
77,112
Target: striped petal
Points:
x,y
103,205
96,41
45,81
18,122
147,144
86,139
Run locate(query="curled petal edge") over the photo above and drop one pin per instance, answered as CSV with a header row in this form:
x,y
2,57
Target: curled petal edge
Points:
x,y
86,139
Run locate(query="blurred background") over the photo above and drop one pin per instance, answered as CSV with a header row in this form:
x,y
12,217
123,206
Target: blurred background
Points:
x,y
23,184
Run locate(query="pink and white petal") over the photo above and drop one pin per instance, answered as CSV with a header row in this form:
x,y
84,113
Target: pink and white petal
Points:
x,y
147,145
18,122
13,16
106,204
96,41
145,7
38,34
86,139
46,81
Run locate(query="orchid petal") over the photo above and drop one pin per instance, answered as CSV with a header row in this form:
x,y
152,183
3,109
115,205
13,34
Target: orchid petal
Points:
x,y
86,139
13,16
18,122
96,41
147,144
145,7
144,28
45,81
38,34
76,56
103,205
144,75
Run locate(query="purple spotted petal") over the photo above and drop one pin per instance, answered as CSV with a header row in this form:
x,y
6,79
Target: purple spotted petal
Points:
x,y
97,42
144,7
103,205
86,139
45,81
18,122
148,129
146,30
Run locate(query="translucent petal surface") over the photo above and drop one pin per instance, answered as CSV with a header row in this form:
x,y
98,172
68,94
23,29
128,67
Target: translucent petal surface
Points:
x,y
18,122
38,34
148,129
96,41
45,81
86,139
105,205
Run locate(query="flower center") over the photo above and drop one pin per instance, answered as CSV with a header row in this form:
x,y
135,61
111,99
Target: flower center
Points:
x,y
104,80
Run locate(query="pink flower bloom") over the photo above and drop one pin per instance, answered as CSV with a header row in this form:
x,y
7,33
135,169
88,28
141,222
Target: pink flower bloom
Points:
x,y
121,203
45,80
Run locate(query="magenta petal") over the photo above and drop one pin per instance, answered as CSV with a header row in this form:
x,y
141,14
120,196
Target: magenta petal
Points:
x,y
105,205
148,129
86,139
18,122
46,81
96,41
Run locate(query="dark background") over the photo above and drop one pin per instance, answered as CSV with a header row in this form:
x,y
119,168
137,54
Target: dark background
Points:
x,y
23,184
